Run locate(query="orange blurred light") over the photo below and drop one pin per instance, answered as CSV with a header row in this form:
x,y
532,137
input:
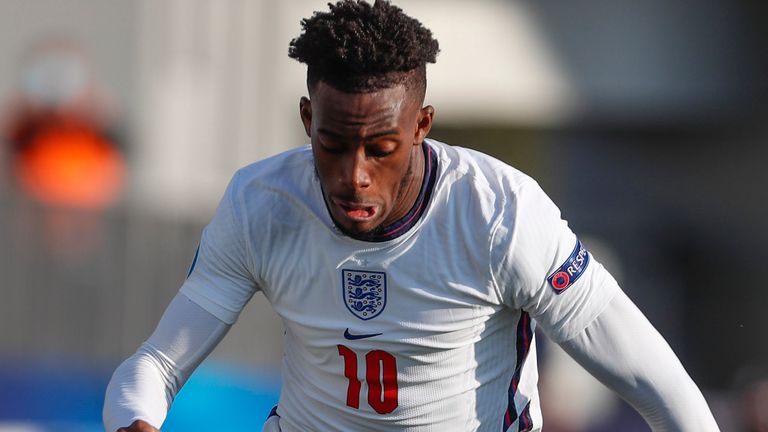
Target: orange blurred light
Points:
x,y
71,167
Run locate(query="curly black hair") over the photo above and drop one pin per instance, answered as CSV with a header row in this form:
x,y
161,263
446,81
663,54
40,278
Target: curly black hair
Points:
x,y
358,47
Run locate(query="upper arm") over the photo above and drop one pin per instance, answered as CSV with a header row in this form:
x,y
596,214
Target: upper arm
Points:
x,y
534,248
222,278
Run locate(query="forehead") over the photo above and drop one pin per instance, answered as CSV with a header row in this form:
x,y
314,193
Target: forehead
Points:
x,y
355,113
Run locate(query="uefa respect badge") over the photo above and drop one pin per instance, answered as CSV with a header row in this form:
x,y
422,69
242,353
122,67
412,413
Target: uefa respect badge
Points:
x,y
571,270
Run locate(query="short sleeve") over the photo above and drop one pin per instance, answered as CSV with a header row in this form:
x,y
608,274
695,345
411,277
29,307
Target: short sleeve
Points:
x,y
544,269
221,280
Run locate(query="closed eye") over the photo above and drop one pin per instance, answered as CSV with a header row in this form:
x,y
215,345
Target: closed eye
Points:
x,y
331,150
331,146
378,153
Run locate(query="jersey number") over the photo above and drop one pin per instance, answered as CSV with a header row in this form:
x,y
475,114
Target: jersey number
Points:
x,y
380,374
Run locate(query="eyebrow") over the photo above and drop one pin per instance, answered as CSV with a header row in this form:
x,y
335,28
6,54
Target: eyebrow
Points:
x,y
368,137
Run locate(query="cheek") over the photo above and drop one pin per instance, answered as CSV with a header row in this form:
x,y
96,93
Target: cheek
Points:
x,y
322,171
323,165
398,175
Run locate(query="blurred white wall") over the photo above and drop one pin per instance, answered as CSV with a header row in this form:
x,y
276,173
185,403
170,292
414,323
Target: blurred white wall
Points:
x,y
206,86
212,96
216,89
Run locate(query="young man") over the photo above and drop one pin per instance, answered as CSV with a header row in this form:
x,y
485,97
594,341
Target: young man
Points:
x,y
409,274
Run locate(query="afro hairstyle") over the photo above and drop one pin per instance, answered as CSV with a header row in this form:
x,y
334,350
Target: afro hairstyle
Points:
x,y
357,47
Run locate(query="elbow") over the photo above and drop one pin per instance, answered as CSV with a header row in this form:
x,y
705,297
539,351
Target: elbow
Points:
x,y
142,387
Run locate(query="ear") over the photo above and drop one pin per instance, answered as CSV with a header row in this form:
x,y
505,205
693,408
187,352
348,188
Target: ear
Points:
x,y
305,111
423,124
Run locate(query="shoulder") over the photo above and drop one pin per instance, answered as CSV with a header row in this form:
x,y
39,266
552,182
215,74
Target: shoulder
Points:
x,y
290,172
463,164
464,170
274,186
285,168
482,193
491,191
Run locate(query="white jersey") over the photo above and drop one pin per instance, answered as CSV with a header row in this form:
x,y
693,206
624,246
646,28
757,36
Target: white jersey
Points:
x,y
429,329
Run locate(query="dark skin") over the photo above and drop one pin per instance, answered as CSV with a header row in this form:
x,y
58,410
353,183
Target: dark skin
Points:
x,y
139,426
368,156
367,151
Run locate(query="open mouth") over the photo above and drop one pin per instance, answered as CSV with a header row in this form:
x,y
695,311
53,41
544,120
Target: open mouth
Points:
x,y
358,212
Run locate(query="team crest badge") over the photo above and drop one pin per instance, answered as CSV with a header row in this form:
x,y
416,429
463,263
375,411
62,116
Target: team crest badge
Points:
x,y
365,292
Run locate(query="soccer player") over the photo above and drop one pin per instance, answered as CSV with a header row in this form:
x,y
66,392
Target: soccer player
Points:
x,y
409,274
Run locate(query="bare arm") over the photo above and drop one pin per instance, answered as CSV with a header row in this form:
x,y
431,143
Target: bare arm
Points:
x,y
143,387
626,353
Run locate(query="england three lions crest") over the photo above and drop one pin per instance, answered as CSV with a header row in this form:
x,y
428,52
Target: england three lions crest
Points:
x,y
365,292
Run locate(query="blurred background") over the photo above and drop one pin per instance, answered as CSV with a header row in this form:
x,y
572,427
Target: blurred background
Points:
x,y
121,123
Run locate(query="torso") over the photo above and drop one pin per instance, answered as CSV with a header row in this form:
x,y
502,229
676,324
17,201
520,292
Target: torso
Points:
x,y
440,347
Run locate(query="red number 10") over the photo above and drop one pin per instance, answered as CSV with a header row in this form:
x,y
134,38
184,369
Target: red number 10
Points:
x,y
381,376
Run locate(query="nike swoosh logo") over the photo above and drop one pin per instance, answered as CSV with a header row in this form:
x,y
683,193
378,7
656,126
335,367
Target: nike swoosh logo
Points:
x,y
350,336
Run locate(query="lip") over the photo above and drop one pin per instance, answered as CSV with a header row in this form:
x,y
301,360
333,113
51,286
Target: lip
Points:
x,y
356,211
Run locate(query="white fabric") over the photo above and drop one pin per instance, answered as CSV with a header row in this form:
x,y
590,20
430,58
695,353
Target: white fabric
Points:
x,y
457,284
272,425
449,324
623,350
531,241
144,386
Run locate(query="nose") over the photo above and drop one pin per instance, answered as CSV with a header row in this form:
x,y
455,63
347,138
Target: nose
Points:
x,y
356,171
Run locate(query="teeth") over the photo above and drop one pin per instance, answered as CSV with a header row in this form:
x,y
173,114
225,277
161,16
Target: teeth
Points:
x,y
358,212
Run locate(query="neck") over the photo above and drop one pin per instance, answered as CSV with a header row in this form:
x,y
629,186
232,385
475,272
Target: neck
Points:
x,y
411,185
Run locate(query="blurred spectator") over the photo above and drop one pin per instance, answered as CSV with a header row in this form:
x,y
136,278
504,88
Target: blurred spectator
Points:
x,y
60,151
61,154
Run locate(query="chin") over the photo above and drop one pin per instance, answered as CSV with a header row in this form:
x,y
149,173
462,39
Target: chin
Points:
x,y
359,229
